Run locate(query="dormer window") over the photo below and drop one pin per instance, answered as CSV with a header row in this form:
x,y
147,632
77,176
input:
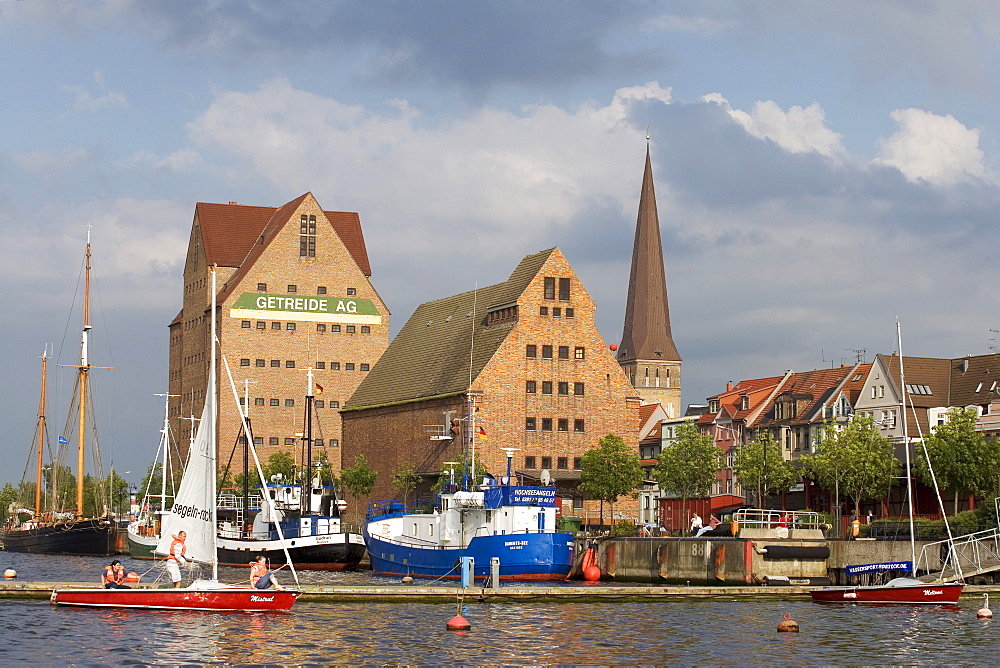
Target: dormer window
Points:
x,y
744,402
713,405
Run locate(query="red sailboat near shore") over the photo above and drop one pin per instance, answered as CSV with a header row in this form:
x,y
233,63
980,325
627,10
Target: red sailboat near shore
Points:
x,y
194,512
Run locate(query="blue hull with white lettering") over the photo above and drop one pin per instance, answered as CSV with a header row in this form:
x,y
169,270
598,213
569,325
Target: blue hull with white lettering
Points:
x,y
515,524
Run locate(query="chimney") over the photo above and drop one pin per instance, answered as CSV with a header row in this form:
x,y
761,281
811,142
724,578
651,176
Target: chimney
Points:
x,y
729,386
231,202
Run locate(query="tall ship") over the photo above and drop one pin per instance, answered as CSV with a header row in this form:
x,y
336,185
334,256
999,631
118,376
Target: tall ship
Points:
x,y
52,525
507,529
305,511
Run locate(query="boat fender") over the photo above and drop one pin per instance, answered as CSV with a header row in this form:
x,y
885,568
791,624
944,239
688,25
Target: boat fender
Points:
x,y
850,594
10,573
788,625
798,552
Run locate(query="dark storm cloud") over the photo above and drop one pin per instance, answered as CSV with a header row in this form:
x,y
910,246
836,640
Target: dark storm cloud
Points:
x,y
473,45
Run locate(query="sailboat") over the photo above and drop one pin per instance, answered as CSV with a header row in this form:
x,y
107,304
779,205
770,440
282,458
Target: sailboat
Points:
x,y
53,530
144,530
309,515
902,590
194,512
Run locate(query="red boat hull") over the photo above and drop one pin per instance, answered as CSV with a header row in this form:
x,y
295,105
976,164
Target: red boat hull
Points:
x,y
946,593
221,598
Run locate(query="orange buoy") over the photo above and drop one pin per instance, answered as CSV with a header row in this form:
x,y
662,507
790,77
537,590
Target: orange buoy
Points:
x,y
459,623
591,572
788,625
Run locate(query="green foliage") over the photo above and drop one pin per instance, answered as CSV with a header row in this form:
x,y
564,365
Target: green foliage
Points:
x,y
964,461
610,470
872,464
761,466
358,480
8,495
151,484
829,463
688,466
325,468
116,491
444,478
624,528
280,463
405,480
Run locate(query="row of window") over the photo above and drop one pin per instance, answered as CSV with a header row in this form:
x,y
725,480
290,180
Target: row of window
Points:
x,y
531,352
274,440
293,289
197,358
562,424
557,312
290,364
562,463
320,327
531,387
290,403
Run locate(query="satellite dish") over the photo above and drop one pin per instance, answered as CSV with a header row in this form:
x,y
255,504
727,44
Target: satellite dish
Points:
x,y
546,477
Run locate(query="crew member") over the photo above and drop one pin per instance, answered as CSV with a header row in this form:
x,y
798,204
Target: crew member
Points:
x,y
261,577
114,576
176,557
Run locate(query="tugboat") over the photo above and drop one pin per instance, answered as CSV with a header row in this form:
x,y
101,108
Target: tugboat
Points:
x,y
512,523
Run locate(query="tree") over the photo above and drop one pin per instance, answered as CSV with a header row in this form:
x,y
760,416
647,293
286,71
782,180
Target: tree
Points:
x,y
358,480
688,466
610,470
405,480
761,466
964,461
116,489
829,463
872,465
8,495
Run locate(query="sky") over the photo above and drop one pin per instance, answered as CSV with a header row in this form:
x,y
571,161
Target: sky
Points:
x,y
820,169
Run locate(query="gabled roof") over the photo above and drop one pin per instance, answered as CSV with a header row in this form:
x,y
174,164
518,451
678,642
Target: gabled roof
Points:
x,y
810,390
731,401
431,354
932,372
651,418
975,380
230,232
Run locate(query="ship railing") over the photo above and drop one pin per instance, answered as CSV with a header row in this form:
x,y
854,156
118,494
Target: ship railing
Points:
x,y
760,518
236,501
397,506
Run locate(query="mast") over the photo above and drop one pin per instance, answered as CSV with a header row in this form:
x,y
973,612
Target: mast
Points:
x,y
906,446
84,375
41,438
210,395
308,486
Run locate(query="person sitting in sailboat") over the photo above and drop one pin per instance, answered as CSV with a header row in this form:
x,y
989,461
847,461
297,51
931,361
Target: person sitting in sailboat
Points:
x,y
261,577
114,576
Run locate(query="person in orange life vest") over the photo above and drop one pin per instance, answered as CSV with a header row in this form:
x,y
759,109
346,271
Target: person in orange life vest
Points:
x,y
261,576
176,557
114,576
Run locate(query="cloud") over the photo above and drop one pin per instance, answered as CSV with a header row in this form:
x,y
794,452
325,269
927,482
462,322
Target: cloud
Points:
x,y
936,149
798,130
84,100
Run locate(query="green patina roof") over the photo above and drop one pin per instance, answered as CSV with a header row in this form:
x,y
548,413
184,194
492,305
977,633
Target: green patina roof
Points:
x,y
430,355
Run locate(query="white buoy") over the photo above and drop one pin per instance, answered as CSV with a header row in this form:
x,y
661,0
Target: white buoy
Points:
x,y
10,573
407,580
985,612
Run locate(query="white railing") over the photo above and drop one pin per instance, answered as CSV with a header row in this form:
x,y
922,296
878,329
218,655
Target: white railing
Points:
x,y
769,519
966,555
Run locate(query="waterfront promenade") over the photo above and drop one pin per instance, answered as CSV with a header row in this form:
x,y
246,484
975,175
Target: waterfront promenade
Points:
x,y
575,593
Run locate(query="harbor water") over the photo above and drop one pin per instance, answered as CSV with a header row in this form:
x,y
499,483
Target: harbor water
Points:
x,y
676,631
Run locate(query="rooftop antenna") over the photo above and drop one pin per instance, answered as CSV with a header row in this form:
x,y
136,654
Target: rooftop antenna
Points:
x,y
993,341
859,354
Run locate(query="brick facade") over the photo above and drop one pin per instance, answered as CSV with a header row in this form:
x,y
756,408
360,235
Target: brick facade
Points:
x,y
271,350
579,395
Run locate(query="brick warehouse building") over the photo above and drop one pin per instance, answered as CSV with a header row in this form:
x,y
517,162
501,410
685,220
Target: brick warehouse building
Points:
x,y
294,292
541,380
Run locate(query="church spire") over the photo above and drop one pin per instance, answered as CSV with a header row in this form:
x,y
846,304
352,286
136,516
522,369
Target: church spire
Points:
x,y
647,351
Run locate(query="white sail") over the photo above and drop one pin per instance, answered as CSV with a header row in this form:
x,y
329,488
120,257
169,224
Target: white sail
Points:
x,y
194,505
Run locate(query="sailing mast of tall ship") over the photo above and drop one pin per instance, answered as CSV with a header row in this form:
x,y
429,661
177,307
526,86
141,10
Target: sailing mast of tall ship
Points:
x,y
51,531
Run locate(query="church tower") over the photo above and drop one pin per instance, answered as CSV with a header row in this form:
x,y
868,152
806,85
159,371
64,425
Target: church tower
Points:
x,y
647,352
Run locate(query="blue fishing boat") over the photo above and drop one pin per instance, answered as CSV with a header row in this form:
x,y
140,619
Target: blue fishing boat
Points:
x,y
515,524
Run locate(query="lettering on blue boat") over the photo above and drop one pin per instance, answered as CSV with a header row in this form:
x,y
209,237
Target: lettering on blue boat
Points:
x,y
515,544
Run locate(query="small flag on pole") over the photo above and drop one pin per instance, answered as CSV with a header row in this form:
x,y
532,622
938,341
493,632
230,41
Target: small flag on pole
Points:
x,y
482,433
319,389
62,440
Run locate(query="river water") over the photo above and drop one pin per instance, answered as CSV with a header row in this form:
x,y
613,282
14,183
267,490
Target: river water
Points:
x,y
679,631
